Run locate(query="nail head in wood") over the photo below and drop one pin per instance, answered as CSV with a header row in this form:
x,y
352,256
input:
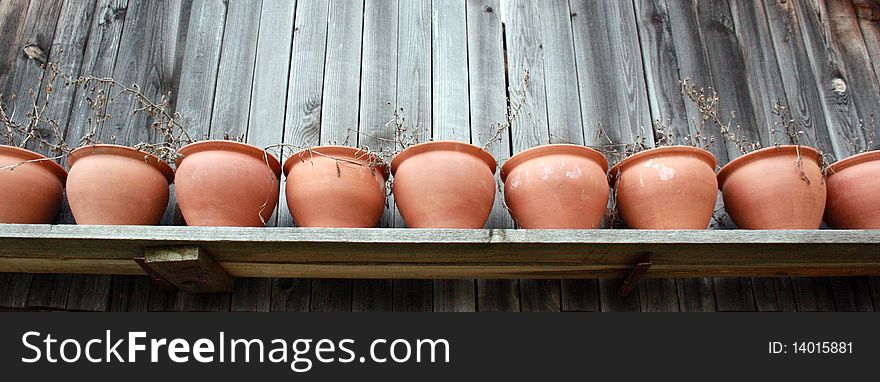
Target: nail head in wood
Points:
x,y
189,268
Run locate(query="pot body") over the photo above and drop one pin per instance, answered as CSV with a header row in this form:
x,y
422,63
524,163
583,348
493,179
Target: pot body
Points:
x,y
670,187
766,189
225,183
444,184
335,186
556,186
854,192
117,185
32,192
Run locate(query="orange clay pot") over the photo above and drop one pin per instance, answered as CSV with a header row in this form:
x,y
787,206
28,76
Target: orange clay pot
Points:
x,y
226,183
31,192
444,184
765,189
117,185
335,186
854,192
556,186
671,187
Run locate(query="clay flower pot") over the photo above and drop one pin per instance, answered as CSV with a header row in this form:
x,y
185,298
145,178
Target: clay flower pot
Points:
x,y
672,187
765,189
556,186
444,184
117,185
226,183
854,192
31,192
335,186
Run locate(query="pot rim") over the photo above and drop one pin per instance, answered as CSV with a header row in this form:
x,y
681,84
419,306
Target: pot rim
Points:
x,y
725,171
704,154
853,160
223,145
549,149
346,152
461,147
27,155
124,151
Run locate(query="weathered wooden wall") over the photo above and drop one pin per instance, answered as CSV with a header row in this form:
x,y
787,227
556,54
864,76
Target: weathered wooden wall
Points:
x,y
324,71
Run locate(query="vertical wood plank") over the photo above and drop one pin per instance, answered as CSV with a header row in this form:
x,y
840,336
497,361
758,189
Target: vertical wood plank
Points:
x,y
12,18
413,296
613,96
302,125
331,296
302,122
291,295
449,51
251,295
611,301
378,97
421,60
195,100
455,295
564,123
235,73
766,86
35,23
839,104
525,51
488,102
198,75
130,294
774,294
868,13
266,121
340,115
851,294
147,56
38,29
89,293
342,73
15,288
727,69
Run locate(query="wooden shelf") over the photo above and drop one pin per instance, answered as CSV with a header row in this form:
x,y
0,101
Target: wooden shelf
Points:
x,y
444,253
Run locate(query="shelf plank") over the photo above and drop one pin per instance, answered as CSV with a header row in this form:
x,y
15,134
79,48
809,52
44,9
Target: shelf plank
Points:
x,y
447,253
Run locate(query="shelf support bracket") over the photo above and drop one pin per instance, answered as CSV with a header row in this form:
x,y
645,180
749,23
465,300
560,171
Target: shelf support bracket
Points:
x,y
630,282
189,268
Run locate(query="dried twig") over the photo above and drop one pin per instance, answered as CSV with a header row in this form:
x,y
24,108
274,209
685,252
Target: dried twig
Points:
x,y
707,103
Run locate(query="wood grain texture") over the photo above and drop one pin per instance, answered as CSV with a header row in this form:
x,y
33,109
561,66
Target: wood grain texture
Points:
x,y
378,100
189,268
342,73
788,50
198,76
36,24
488,104
232,99
302,121
449,62
416,97
340,114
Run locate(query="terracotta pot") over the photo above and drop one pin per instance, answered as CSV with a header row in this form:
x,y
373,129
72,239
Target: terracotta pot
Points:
x,y
117,185
765,189
854,192
444,184
556,186
335,186
226,183
672,187
32,192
